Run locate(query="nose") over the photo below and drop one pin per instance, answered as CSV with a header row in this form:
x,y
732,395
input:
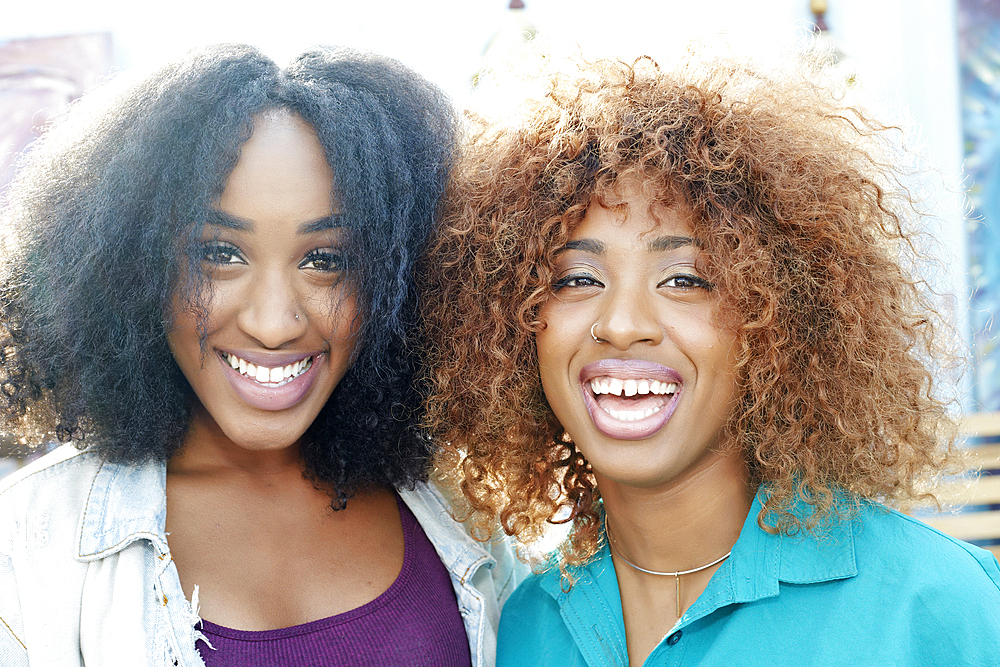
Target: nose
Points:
x,y
628,318
270,312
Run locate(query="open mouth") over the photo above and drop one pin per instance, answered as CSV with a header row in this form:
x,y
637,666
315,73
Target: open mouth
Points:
x,y
263,375
631,399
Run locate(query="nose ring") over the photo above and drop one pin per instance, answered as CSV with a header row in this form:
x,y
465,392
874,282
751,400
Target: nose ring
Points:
x,y
593,335
296,316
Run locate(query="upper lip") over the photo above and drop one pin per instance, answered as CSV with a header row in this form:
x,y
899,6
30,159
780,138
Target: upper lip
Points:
x,y
270,359
629,369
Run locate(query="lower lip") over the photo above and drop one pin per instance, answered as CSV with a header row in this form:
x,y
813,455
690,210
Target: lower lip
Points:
x,y
628,430
263,397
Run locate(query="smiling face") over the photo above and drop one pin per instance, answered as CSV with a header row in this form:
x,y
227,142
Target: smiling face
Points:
x,y
648,401
281,317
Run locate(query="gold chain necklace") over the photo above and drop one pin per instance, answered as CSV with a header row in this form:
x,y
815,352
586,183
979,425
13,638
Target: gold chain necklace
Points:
x,y
676,575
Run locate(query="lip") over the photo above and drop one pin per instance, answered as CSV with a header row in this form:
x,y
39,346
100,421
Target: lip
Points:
x,y
626,369
271,398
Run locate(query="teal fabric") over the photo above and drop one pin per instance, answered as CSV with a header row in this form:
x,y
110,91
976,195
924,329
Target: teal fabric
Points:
x,y
878,589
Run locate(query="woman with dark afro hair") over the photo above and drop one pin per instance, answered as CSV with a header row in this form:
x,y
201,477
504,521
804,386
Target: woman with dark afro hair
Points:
x,y
677,309
207,292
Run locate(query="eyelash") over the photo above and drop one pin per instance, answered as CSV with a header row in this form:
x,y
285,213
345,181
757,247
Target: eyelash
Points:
x,y
224,254
336,262
568,281
212,251
695,282
575,280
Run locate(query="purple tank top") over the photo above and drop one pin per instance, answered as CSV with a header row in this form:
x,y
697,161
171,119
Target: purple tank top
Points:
x,y
414,622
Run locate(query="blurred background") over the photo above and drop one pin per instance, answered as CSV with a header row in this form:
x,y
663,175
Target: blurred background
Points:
x,y
932,66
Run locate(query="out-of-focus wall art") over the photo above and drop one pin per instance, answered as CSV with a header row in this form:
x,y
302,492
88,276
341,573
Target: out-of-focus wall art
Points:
x,y
979,56
38,79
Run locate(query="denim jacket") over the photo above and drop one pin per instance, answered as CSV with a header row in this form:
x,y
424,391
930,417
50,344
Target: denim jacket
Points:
x,y
86,576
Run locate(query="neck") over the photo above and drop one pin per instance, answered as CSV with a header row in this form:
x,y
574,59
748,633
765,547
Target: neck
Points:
x,y
684,524
207,450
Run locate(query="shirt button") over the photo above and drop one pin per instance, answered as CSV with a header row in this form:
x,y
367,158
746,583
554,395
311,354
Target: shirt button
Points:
x,y
674,638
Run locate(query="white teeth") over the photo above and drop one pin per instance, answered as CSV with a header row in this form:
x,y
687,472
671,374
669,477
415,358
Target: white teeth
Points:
x,y
631,415
618,387
265,375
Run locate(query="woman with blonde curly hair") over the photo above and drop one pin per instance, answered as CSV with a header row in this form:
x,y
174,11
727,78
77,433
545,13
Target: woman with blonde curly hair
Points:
x,y
679,310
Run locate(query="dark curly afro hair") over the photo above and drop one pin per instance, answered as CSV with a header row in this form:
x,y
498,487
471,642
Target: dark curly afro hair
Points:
x,y
101,223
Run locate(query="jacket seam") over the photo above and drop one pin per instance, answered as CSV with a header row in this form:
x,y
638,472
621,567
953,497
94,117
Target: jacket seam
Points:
x,y
86,510
13,634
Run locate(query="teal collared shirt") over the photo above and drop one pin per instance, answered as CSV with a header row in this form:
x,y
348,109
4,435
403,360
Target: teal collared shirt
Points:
x,y
878,589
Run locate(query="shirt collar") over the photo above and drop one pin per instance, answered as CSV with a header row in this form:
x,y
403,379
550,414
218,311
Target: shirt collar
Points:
x,y
759,562
125,503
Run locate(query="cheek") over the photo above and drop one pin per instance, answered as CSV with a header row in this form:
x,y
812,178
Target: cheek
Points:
x,y
340,325
554,346
549,345
722,357
182,335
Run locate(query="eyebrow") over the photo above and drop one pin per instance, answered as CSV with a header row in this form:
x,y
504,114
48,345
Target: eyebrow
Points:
x,y
221,219
662,243
659,244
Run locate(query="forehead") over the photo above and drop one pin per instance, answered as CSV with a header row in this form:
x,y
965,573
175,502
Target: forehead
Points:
x,y
635,216
281,166
281,184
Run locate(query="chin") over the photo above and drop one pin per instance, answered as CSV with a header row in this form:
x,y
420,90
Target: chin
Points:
x,y
264,438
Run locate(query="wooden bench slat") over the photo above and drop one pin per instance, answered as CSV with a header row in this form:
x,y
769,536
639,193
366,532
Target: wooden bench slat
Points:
x,y
986,457
983,424
984,491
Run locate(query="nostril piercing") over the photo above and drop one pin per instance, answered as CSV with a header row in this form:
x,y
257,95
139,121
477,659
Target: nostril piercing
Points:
x,y
593,335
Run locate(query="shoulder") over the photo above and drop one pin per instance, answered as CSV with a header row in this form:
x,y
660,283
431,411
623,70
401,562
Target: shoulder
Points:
x,y
949,589
533,593
63,470
45,497
459,551
897,541
531,624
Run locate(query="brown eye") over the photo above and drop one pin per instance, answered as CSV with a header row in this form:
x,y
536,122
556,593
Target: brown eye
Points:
x,y
221,253
325,260
686,281
577,280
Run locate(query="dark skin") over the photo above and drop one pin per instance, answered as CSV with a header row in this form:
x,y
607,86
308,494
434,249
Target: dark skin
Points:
x,y
632,306
245,526
271,553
